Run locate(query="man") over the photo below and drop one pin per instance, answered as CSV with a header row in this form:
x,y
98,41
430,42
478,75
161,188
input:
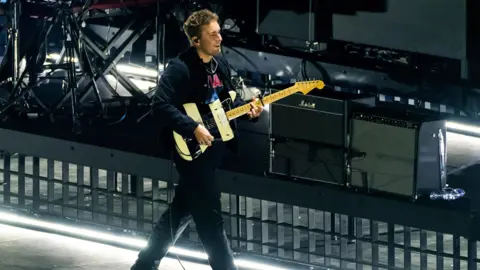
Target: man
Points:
x,y
201,76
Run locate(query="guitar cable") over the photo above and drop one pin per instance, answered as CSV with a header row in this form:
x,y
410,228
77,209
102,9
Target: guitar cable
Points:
x,y
170,194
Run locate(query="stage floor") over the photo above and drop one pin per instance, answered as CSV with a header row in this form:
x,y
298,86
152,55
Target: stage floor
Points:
x,y
22,249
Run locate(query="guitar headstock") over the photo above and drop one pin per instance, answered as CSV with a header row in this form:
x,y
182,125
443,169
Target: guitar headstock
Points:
x,y
306,86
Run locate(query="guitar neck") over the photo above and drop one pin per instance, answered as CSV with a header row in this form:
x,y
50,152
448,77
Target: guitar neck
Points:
x,y
244,109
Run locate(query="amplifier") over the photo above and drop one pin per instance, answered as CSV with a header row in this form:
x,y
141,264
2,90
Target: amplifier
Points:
x,y
402,154
308,137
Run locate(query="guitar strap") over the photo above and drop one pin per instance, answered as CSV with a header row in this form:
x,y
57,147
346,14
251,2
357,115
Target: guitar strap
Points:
x,y
224,76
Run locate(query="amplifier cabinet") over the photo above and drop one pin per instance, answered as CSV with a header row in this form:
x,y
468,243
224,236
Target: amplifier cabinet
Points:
x,y
309,138
310,118
400,155
302,160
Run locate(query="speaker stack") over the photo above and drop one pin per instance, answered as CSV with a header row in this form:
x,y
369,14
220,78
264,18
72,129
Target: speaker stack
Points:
x,y
347,141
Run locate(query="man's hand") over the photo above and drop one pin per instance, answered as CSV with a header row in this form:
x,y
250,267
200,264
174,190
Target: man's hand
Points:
x,y
255,110
203,136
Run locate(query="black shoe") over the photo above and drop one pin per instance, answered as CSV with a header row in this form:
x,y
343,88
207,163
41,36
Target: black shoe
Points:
x,y
144,266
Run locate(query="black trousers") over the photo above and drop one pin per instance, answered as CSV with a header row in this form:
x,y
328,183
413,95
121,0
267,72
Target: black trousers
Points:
x,y
197,198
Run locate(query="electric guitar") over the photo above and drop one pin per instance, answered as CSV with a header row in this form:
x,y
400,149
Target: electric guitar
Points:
x,y
217,120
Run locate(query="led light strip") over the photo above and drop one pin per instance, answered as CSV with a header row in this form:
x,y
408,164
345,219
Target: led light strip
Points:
x,y
129,69
453,126
129,241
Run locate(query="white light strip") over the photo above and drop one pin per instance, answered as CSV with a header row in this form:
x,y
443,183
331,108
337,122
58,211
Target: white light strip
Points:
x,y
130,241
143,85
128,69
136,70
56,56
462,127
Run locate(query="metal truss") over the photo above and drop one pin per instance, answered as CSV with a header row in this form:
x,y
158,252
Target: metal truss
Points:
x,y
109,60
87,59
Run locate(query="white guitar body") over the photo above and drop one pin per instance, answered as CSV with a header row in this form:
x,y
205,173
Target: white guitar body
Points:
x,y
189,148
217,121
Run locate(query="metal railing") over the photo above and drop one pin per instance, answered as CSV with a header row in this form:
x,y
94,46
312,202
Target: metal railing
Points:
x,y
272,229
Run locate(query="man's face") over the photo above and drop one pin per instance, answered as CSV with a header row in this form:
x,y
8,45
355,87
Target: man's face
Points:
x,y
210,39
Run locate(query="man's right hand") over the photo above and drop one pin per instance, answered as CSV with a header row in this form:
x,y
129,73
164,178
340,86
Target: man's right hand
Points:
x,y
203,136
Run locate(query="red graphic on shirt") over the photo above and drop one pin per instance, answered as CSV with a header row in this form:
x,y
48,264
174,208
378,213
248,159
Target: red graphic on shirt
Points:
x,y
214,81
216,86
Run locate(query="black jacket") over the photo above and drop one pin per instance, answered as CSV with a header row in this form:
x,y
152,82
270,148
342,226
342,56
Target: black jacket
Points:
x,y
183,81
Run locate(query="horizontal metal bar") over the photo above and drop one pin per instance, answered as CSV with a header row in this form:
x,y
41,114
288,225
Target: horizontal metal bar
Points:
x,y
84,154
335,199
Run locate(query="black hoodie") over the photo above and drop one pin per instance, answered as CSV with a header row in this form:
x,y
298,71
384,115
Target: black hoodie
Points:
x,y
185,80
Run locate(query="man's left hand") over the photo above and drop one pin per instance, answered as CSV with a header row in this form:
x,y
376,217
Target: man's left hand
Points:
x,y
255,110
